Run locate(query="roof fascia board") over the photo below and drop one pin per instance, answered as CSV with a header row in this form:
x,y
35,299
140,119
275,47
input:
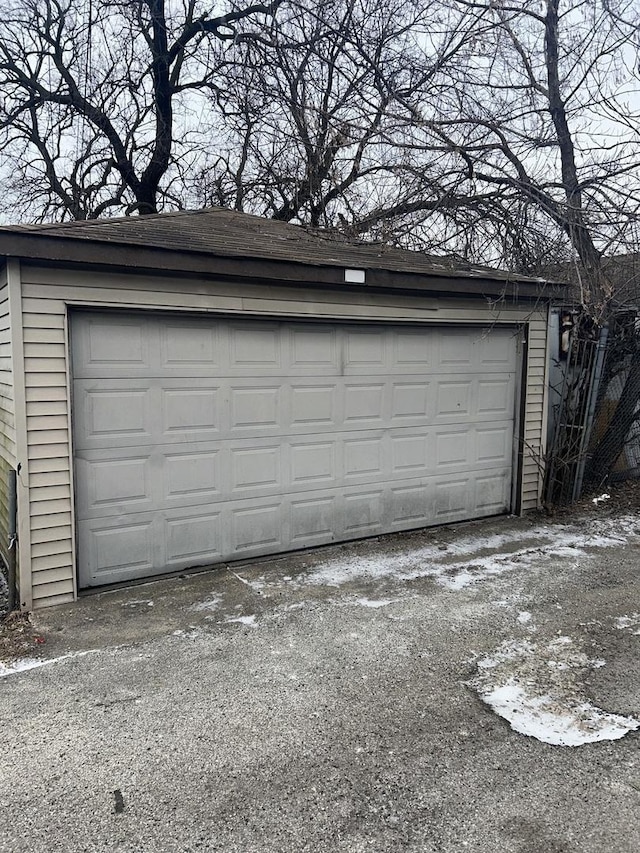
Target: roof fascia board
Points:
x,y
60,251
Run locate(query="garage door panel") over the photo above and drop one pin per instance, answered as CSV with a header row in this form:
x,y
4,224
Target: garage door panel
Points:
x,y
202,439
255,406
314,406
494,444
364,512
257,528
453,498
190,345
472,449
125,413
193,539
117,551
192,474
365,351
313,350
151,543
202,412
313,463
412,505
111,343
496,397
411,402
453,448
454,400
411,453
255,347
190,410
313,521
257,469
486,350
111,483
419,502
120,415
413,351
469,399
364,457
498,351
364,404
114,485
492,492
456,349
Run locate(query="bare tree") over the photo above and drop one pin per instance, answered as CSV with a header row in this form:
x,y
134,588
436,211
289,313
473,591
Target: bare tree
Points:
x,y
543,119
315,121
492,130
549,118
94,98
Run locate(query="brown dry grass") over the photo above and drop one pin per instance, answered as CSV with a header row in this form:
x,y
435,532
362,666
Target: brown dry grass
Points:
x,y
18,637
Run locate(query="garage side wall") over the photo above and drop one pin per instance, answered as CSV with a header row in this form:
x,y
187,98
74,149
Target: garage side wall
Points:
x,y
46,296
7,413
534,432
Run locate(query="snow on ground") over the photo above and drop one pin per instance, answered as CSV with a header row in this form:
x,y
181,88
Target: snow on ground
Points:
x,y
631,623
257,584
541,717
375,603
537,688
242,620
212,603
193,633
24,664
474,558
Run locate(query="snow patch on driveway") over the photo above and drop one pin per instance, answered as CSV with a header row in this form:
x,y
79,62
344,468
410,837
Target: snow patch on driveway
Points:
x,y
471,559
242,620
375,603
543,718
25,664
629,623
211,603
537,688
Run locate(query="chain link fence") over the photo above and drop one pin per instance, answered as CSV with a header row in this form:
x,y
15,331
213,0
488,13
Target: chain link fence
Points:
x,y
595,391
614,447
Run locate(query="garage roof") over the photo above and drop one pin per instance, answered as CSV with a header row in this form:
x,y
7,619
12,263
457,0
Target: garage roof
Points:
x,y
189,240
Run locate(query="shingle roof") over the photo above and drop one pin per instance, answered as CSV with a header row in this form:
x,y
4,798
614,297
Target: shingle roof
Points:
x,y
230,234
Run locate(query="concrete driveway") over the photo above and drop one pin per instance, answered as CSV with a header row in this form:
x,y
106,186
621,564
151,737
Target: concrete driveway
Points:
x,y
473,688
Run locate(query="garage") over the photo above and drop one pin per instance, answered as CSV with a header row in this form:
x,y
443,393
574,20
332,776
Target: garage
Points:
x,y
201,440
188,389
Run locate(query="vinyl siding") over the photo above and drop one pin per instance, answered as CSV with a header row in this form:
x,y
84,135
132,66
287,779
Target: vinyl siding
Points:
x,y
46,294
7,408
534,432
7,413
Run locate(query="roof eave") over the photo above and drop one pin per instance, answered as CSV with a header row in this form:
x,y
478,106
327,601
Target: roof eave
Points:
x,y
65,251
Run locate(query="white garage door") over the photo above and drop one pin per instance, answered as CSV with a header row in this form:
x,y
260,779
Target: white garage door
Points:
x,y
198,440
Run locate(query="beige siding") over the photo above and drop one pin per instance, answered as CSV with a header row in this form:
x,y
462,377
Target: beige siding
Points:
x,y
46,295
534,431
7,413
7,407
